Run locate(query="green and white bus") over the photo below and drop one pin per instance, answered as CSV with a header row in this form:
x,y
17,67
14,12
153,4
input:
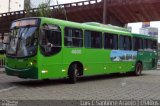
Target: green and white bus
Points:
x,y
48,48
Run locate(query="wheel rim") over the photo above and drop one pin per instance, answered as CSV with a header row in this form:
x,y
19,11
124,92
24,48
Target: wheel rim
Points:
x,y
138,69
75,72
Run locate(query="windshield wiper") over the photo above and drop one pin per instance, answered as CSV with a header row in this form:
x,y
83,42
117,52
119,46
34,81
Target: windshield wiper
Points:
x,y
25,28
20,36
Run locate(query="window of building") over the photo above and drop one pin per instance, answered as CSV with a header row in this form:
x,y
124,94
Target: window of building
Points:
x,y
93,39
110,41
137,43
73,37
125,43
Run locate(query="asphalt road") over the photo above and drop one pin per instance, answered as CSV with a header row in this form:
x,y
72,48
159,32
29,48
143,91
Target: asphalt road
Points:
x,y
105,87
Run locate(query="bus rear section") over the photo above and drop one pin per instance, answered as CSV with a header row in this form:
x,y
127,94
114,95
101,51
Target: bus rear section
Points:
x,y
147,51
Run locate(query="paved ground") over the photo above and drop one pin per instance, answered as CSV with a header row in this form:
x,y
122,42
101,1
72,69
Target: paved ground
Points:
x,y
105,87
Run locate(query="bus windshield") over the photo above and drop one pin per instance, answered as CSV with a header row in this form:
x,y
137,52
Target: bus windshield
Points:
x,y
22,42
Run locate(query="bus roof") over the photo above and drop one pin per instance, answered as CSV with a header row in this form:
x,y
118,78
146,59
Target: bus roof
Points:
x,y
91,26
88,26
105,26
143,36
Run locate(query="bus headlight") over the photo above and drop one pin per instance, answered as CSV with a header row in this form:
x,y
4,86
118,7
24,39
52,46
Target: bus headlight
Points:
x,y
31,63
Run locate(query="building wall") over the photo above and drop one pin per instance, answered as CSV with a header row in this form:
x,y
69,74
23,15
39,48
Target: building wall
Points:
x,y
35,3
150,31
15,5
4,6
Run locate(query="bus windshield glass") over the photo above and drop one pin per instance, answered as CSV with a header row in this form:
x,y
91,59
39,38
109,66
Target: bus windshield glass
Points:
x,y
23,42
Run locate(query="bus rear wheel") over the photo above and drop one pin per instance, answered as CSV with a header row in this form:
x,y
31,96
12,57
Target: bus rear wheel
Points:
x,y
73,73
138,69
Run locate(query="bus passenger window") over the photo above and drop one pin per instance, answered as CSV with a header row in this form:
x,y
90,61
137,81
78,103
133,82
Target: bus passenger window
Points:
x,y
125,43
73,37
110,41
50,40
149,44
137,43
93,39
154,44
145,44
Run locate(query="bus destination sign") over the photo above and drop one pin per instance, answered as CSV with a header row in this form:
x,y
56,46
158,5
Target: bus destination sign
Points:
x,y
23,23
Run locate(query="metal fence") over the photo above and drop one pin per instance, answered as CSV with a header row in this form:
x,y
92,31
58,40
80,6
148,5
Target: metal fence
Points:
x,y
2,61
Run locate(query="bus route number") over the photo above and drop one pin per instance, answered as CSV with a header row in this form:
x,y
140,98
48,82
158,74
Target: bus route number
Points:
x,y
76,52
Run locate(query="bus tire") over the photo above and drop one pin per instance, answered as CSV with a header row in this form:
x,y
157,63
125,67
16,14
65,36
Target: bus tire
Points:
x,y
73,73
138,69
46,79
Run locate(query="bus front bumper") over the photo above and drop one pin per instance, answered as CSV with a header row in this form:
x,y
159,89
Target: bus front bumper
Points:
x,y
22,73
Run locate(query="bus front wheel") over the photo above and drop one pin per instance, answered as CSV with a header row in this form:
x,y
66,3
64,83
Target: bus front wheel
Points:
x,y
73,73
138,69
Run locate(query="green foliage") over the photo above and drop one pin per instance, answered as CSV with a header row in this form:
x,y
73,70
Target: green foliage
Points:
x,y
44,10
27,8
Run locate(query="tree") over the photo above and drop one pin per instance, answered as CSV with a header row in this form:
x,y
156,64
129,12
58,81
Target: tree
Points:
x,y
27,7
44,10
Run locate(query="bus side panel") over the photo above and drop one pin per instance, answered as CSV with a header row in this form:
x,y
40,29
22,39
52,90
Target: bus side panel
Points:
x,y
125,60
51,67
100,62
96,61
71,55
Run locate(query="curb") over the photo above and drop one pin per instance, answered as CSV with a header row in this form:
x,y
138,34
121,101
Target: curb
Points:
x,y
2,70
